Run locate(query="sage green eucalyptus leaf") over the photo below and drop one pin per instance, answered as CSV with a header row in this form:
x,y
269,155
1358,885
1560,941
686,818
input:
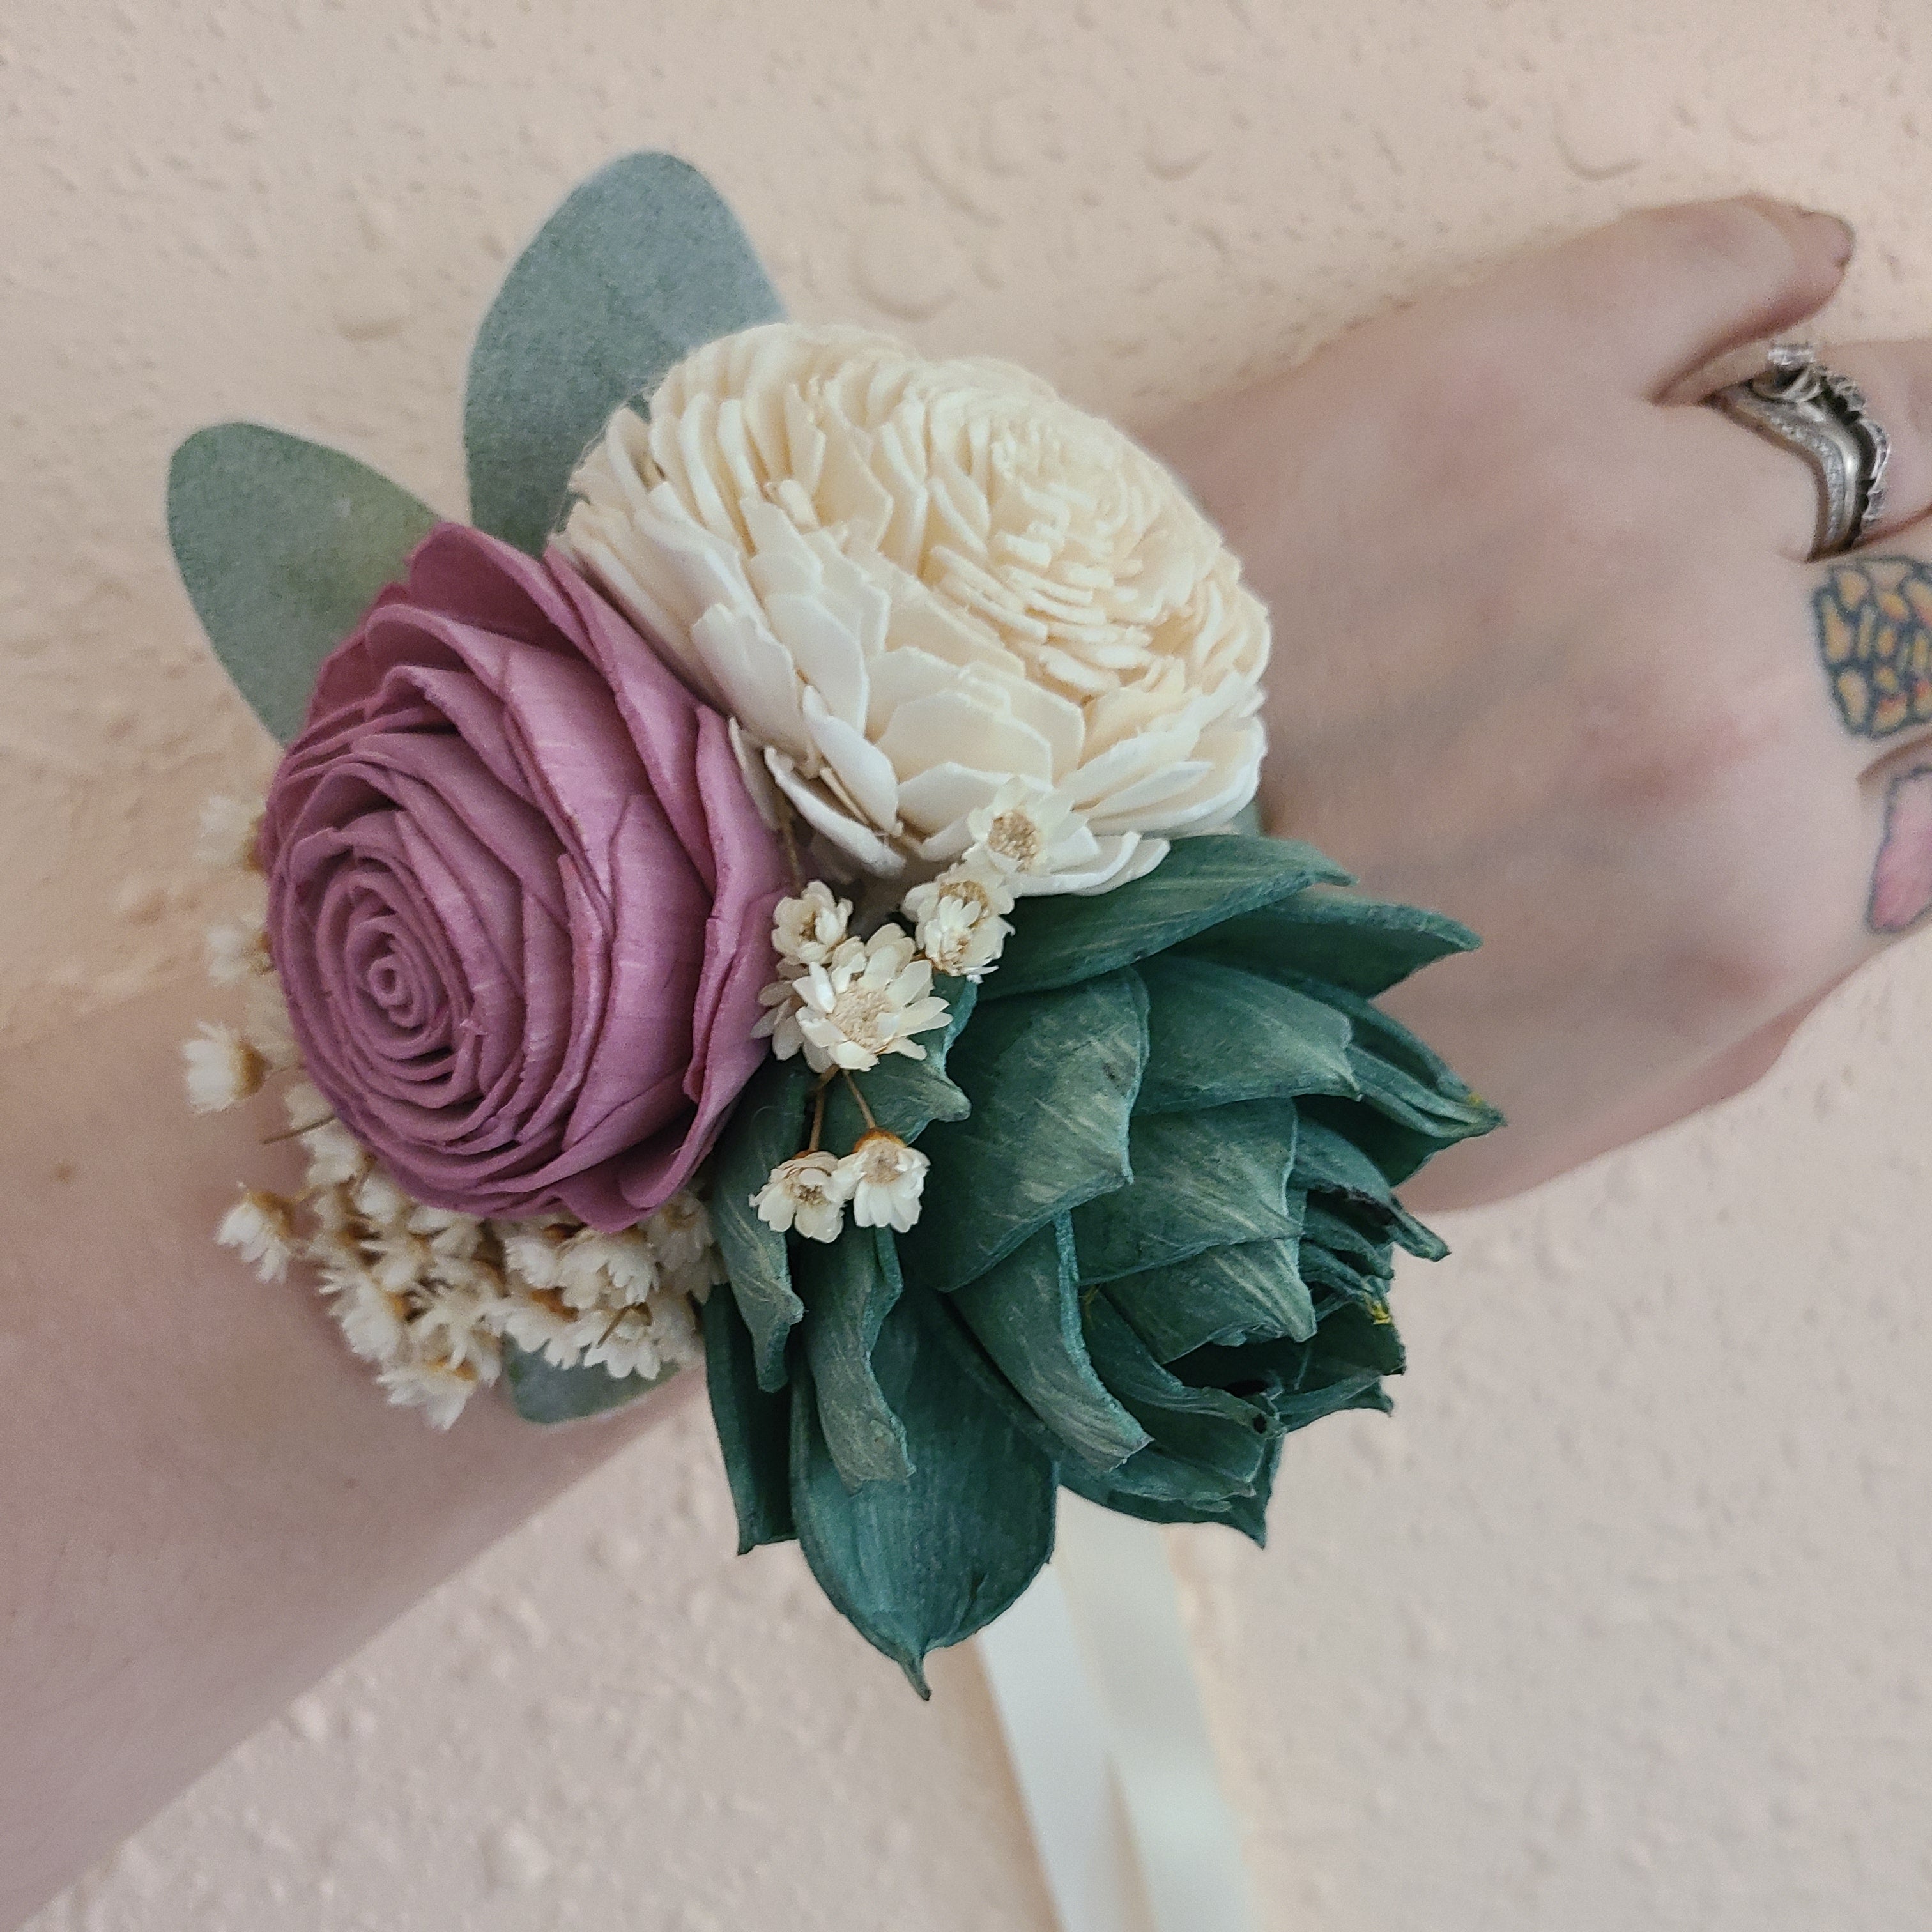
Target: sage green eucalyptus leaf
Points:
x,y
1200,1181
849,1286
754,1427
922,1563
1327,1162
1248,1290
1365,945
641,264
1060,940
541,1392
1216,1034
906,1095
1026,1313
1208,1445
283,544
1052,1079
767,1126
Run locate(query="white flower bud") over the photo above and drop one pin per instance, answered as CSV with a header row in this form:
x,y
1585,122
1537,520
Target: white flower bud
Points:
x,y
883,1179
225,839
223,1069
260,1227
802,1193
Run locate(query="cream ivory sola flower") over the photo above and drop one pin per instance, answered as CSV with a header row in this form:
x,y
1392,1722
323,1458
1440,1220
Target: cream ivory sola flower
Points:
x,y
911,583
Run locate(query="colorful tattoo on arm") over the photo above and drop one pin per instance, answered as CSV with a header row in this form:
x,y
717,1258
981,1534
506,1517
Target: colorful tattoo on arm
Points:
x,y
1874,621
1901,890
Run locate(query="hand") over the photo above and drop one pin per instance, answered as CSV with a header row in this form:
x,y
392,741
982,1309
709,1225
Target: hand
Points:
x,y
1548,657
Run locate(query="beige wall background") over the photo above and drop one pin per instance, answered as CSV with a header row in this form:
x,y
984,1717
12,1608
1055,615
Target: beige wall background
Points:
x,y
1622,1622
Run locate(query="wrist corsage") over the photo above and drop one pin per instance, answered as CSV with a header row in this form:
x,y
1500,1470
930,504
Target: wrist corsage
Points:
x,y
770,891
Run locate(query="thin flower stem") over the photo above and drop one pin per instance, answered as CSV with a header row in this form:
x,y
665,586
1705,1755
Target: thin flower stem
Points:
x,y
791,847
870,1121
818,1110
295,1133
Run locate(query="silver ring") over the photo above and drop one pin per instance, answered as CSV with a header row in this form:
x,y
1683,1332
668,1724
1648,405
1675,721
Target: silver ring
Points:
x,y
1799,404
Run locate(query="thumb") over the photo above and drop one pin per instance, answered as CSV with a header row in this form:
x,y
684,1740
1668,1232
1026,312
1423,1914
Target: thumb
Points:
x,y
1651,297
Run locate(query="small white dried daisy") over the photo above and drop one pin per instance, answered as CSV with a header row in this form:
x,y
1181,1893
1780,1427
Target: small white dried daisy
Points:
x,y
608,1271
333,1208
628,1346
806,930
680,1235
373,1322
451,1237
380,1201
264,1022
530,1251
225,838
542,1321
237,952
1020,827
439,1389
778,1023
400,1262
335,1156
961,926
457,1326
260,1227
802,1192
883,1178
649,1341
223,1069
871,998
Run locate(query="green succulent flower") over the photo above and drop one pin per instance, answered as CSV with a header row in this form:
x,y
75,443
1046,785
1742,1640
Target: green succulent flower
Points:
x,y
1157,1238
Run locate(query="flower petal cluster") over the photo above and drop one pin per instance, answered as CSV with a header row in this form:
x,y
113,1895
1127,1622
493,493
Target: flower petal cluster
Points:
x,y
430,1295
911,583
518,897
882,1179
804,1193
1155,1240
868,999
224,1068
962,925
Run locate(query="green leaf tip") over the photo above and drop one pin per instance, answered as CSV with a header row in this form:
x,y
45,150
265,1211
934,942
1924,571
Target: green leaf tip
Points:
x,y
283,544
1202,882
639,265
922,1563
540,1391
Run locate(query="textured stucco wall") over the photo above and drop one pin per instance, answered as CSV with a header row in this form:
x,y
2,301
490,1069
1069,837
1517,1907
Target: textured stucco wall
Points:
x,y
1622,1622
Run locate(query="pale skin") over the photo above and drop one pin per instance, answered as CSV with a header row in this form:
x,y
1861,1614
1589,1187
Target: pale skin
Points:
x,y
1548,657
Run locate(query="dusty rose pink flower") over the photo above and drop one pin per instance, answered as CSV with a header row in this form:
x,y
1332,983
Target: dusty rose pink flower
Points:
x,y
520,900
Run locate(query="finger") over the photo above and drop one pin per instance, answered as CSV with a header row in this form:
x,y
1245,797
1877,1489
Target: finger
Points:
x,y
1897,380
1647,300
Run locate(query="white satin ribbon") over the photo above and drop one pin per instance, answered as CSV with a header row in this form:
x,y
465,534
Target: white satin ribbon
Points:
x,y
1093,1677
